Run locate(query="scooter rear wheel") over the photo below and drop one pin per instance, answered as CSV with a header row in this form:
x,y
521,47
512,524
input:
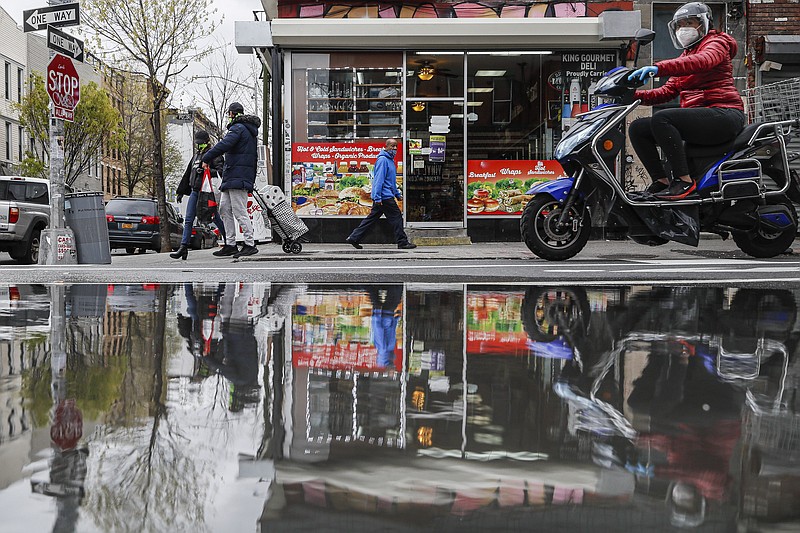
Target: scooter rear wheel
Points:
x,y
763,243
543,236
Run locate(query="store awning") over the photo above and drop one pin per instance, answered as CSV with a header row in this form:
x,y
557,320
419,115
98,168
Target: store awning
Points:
x,y
609,30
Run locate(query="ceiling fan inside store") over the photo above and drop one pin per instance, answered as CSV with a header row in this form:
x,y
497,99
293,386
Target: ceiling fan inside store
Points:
x,y
428,69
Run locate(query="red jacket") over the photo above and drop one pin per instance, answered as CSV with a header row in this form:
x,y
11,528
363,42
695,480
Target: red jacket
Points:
x,y
702,75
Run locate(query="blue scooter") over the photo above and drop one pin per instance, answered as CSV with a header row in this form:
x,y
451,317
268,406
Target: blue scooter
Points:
x,y
744,186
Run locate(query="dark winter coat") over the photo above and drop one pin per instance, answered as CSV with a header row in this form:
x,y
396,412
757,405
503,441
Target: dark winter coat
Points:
x,y
192,178
702,75
240,146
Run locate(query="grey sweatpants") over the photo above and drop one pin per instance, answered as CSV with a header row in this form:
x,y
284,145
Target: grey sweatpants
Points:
x,y
233,209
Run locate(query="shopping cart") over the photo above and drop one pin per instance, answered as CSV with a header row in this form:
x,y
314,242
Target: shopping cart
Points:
x,y
281,217
773,101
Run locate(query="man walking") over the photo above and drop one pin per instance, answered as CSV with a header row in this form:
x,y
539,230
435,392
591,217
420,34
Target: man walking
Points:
x,y
384,193
238,178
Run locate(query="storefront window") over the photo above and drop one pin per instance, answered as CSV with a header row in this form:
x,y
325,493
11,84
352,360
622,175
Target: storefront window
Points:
x,y
344,107
517,107
435,74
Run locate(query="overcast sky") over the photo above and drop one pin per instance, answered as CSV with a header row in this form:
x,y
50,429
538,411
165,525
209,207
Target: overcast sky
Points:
x,y
232,9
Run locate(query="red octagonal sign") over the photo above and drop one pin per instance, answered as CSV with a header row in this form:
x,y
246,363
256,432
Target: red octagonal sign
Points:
x,y
63,86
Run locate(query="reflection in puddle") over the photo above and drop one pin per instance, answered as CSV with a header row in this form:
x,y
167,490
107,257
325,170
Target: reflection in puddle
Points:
x,y
234,406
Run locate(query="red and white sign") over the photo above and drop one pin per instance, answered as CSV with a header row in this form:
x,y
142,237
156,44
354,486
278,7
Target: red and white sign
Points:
x,y
497,187
63,86
493,169
323,152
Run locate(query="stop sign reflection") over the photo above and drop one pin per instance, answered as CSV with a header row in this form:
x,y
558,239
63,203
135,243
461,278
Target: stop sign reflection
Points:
x,y
63,83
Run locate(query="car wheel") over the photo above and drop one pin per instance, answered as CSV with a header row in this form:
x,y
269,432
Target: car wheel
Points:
x,y
29,254
130,250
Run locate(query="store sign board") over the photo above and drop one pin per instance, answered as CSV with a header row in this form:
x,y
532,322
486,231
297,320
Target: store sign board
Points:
x,y
579,71
438,145
311,152
498,187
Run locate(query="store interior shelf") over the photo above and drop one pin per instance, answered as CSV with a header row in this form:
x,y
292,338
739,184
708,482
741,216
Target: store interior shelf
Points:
x,y
377,85
378,112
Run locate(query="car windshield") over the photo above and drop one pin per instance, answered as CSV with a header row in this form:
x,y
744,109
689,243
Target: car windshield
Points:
x,y
131,207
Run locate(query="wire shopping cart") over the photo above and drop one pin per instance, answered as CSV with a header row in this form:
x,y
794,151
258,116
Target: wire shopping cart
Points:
x,y
773,101
282,217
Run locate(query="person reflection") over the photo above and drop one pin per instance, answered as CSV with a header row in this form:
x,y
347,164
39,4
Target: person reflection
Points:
x,y
385,301
237,356
689,422
201,327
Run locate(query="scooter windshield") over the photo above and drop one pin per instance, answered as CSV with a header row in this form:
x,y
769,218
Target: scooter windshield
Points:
x,y
582,131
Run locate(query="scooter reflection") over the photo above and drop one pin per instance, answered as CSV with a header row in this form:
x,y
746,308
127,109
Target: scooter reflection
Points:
x,y
676,424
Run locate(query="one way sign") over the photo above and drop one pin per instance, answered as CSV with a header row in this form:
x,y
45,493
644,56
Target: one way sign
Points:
x,y
65,44
60,15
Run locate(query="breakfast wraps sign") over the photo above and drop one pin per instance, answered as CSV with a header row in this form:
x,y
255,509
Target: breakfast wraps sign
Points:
x,y
498,187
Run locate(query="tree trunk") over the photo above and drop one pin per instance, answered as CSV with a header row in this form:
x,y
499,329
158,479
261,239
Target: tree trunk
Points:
x,y
157,94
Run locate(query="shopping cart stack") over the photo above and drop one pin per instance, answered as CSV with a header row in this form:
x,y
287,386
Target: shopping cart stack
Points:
x,y
282,217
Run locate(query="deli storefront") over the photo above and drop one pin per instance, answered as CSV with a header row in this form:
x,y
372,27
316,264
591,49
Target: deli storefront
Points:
x,y
477,106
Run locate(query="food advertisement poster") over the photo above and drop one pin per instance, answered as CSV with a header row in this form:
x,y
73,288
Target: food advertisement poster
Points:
x,y
494,323
334,331
333,179
498,187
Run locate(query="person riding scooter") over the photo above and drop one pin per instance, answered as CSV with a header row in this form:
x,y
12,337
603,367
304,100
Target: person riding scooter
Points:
x,y
711,111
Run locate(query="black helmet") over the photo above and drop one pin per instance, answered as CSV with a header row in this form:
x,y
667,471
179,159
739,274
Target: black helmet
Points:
x,y
693,10
201,137
236,108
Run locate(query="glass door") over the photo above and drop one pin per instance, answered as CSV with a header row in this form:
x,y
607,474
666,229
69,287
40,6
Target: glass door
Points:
x,y
434,163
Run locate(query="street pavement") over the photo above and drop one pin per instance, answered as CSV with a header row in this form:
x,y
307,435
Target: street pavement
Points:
x,y
602,261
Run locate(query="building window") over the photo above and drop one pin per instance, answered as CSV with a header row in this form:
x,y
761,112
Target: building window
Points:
x,y
19,85
7,80
21,142
8,141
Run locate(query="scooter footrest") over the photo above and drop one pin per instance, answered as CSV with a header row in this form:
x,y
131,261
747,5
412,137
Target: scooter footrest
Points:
x,y
740,189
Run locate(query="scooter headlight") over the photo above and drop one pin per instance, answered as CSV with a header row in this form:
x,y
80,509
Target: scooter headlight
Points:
x,y
579,134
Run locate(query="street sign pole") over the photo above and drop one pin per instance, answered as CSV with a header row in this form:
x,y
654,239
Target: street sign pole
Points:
x,y
58,241
57,245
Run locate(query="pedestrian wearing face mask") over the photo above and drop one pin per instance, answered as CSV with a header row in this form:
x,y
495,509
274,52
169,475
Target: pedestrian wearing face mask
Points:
x,y
190,185
711,111
384,195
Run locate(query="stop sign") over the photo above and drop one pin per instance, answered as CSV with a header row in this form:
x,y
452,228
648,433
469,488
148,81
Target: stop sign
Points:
x,y
63,83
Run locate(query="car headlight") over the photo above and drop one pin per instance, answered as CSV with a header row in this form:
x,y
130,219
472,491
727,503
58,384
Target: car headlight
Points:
x,y
580,135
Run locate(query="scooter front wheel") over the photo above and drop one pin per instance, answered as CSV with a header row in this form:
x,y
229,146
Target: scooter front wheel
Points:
x,y
545,237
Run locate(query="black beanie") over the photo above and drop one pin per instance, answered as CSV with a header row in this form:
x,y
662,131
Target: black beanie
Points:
x,y
236,108
201,137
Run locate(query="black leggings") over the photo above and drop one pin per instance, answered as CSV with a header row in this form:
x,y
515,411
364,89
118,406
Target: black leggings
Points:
x,y
670,128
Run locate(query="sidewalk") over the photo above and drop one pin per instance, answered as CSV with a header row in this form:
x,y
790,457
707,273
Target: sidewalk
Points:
x,y
711,246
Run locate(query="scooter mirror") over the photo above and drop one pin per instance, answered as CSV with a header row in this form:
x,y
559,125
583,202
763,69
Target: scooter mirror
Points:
x,y
644,36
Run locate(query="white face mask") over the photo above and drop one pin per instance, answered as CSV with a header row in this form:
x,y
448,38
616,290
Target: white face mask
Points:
x,y
687,35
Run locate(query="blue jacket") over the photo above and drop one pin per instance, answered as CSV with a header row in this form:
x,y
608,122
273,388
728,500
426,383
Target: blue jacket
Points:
x,y
241,153
384,178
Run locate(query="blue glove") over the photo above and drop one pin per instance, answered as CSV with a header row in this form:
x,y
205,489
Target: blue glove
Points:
x,y
643,73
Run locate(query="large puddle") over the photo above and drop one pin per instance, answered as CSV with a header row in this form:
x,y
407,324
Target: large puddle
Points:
x,y
256,407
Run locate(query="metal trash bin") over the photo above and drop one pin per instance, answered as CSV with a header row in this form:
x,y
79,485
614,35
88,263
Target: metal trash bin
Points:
x,y
85,213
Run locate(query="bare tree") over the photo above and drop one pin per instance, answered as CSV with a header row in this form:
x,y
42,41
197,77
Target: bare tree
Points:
x,y
159,39
222,84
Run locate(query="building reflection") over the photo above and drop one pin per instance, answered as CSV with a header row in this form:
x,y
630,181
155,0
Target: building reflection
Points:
x,y
407,404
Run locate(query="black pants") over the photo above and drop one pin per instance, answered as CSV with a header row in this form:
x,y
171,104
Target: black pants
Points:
x,y
670,128
393,215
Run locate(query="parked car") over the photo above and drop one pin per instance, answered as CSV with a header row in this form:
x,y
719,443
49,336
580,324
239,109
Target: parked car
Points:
x,y
134,223
203,237
24,213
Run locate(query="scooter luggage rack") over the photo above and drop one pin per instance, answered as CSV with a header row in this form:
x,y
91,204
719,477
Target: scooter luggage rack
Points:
x,y
773,102
739,178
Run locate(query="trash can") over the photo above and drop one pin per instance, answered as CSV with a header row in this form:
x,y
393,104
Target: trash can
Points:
x,y
85,213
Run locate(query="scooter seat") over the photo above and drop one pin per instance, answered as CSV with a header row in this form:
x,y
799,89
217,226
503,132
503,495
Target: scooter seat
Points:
x,y
741,140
